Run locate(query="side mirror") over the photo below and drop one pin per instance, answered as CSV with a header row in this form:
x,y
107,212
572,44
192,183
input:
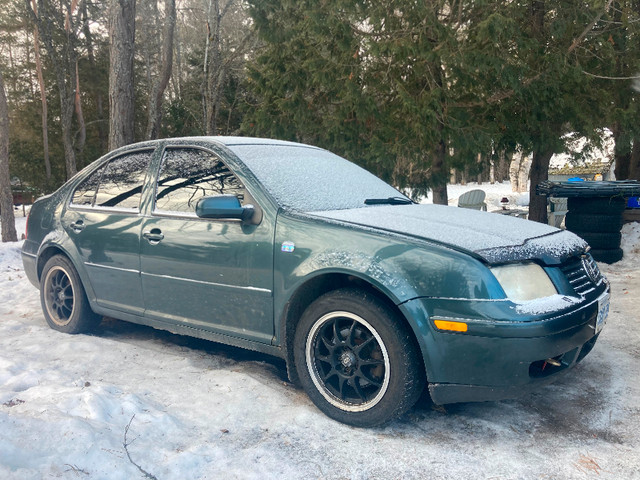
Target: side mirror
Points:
x,y
224,206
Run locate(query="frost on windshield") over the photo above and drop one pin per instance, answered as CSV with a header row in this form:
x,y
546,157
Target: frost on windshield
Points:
x,y
310,179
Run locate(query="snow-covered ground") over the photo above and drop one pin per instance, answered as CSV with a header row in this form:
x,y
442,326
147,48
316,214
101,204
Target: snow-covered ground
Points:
x,y
190,409
494,194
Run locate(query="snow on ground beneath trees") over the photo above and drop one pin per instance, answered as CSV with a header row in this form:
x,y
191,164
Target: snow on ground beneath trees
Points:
x,y
189,408
495,192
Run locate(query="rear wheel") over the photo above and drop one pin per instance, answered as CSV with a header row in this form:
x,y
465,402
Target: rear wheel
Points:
x,y
356,359
63,298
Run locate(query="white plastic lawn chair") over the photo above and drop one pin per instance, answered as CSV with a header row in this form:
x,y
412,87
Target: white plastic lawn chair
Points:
x,y
557,210
473,199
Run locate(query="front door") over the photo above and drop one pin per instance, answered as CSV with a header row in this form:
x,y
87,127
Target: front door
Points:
x,y
209,274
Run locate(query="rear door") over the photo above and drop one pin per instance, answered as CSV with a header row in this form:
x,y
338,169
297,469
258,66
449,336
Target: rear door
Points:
x,y
210,274
104,221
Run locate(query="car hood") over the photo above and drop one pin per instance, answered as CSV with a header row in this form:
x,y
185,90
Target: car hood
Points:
x,y
495,238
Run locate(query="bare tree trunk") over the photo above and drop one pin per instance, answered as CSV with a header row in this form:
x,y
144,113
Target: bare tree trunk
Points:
x,y
215,74
27,53
14,85
102,131
502,171
634,163
176,80
539,173
519,172
492,170
121,87
79,116
622,154
439,175
157,95
43,100
7,221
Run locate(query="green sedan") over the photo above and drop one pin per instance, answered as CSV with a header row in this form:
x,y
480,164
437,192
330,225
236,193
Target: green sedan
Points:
x,y
290,250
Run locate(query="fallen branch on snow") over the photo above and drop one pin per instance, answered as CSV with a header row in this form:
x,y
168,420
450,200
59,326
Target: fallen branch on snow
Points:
x,y
125,444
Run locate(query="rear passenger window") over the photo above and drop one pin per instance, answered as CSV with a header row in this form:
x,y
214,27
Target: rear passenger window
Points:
x,y
85,193
118,184
187,175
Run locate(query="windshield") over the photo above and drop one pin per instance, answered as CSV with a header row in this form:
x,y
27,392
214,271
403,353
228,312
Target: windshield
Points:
x,y
310,179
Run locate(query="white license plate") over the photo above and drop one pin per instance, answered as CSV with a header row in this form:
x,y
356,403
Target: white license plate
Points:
x,y
603,311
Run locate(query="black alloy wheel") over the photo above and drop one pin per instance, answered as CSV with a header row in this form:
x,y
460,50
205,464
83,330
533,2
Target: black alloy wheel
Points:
x,y
348,361
58,296
357,359
63,298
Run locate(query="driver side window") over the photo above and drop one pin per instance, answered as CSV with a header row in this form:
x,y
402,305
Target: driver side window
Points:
x,y
188,174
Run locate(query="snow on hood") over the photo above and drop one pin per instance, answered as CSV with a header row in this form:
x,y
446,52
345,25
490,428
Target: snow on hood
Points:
x,y
495,238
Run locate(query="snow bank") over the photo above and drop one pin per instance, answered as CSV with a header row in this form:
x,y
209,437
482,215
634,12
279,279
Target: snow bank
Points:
x,y
631,242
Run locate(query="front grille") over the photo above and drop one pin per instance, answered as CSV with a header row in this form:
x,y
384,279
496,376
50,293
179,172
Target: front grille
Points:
x,y
582,273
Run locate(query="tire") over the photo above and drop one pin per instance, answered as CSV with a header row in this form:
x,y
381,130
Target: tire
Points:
x,y
597,205
578,222
604,240
64,301
356,360
606,255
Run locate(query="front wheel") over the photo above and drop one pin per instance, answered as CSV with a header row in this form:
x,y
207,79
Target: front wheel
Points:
x,y
64,302
356,359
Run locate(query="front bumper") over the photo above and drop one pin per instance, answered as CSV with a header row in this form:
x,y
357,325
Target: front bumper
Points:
x,y
539,373
498,357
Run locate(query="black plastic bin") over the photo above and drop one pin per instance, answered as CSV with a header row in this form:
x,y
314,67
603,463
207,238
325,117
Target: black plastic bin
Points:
x,y
595,212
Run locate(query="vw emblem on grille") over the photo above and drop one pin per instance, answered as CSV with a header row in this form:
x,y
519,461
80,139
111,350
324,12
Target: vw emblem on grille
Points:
x,y
590,269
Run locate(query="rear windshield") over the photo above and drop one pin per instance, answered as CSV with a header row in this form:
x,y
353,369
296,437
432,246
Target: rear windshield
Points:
x,y
310,179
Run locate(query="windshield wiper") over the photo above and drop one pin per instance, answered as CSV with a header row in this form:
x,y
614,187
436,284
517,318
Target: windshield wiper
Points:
x,y
388,201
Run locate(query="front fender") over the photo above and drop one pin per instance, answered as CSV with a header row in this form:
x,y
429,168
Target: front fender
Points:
x,y
402,267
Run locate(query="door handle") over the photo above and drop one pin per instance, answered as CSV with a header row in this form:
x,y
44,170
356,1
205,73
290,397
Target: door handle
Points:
x,y
154,236
78,226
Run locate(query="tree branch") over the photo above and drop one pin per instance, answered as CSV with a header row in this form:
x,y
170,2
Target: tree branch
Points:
x,y
584,33
604,77
125,444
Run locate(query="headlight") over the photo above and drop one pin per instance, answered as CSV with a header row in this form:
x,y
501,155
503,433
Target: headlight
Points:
x,y
524,281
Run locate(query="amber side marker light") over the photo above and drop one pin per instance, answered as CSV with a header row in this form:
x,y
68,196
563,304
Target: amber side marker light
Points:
x,y
451,326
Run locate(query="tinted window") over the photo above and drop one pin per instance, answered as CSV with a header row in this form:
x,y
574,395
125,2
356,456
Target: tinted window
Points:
x,y
117,184
188,174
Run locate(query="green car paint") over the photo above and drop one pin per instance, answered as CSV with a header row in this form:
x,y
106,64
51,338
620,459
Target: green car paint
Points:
x,y
248,283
